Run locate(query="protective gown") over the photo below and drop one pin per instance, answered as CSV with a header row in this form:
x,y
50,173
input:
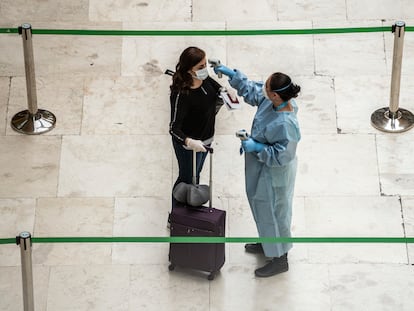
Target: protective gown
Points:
x,y
270,174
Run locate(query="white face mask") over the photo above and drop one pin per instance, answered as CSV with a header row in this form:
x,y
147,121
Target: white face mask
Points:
x,y
264,92
202,74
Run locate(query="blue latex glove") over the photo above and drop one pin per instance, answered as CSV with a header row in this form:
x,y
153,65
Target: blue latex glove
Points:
x,y
224,70
250,145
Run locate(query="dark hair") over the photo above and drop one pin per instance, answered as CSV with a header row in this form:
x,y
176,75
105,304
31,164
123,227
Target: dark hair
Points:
x,y
182,80
282,85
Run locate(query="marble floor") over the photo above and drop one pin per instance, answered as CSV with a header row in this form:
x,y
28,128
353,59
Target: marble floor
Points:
x,y
108,166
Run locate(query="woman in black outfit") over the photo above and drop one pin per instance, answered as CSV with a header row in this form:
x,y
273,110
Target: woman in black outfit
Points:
x,y
193,112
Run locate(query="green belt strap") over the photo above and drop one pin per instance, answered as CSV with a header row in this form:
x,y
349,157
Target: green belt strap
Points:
x,y
213,240
95,32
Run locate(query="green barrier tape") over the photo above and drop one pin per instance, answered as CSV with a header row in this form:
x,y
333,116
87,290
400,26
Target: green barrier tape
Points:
x,y
83,32
8,241
182,239
208,32
9,30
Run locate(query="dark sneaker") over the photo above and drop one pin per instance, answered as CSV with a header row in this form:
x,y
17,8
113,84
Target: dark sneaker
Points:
x,y
275,266
254,248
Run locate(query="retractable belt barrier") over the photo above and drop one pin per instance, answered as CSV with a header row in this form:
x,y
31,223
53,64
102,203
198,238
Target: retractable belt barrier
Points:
x,y
37,121
248,32
195,239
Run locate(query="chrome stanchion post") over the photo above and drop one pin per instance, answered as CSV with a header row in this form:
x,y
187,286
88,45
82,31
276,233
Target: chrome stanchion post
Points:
x,y
32,121
24,239
393,119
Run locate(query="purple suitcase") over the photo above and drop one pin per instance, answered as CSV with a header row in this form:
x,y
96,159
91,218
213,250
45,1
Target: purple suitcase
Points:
x,y
203,221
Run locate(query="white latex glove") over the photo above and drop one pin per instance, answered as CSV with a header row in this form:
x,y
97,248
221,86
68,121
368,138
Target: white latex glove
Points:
x,y
196,145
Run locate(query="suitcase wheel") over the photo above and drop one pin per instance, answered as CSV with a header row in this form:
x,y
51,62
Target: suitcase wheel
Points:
x,y
171,267
211,276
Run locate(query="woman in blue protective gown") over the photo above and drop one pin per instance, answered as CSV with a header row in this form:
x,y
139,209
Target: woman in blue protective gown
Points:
x,y
270,161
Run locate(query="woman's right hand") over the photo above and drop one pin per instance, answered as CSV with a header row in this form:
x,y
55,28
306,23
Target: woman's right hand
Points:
x,y
196,145
224,70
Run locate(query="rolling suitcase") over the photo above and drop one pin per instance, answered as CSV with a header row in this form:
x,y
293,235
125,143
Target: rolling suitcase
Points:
x,y
202,221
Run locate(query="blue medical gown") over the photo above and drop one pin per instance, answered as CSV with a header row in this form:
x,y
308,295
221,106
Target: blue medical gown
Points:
x,y
270,174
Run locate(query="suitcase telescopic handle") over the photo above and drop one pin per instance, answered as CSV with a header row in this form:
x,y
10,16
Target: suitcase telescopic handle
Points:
x,y
210,186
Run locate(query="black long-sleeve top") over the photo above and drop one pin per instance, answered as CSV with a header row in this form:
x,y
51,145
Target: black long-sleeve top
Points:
x,y
194,114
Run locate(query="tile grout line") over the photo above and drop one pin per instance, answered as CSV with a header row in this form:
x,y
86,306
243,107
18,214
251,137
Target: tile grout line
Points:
x,y
60,168
7,105
330,288
333,86
378,165
385,49
191,11
314,52
403,227
346,10
83,105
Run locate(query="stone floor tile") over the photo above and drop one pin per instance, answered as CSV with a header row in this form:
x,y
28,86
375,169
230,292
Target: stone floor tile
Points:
x,y
228,167
234,10
59,217
38,10
240,218
63,55
9,255
11,288
142,55
355,217
291,54
111,10
141,253
408,7
70,254
153,287
4,100
331,161
312,10
304,287
364,54
17,215
11,58
395,163
122,105
79,55
408,214
61,95
32,166
357,98
366,10
240,223
373,286
143,216
100,166
317,105
89,287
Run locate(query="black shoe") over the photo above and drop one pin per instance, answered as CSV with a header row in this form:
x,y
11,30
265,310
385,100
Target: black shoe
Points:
x,y
275,266
256,248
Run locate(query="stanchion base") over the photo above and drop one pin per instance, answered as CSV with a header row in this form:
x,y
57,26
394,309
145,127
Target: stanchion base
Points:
x,y
402,121
33,124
